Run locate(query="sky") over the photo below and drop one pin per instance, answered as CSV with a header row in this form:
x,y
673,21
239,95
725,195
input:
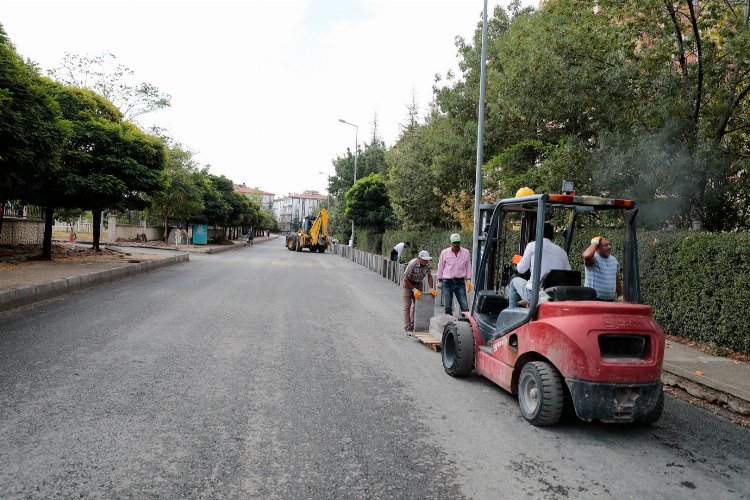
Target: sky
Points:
x,y
258,86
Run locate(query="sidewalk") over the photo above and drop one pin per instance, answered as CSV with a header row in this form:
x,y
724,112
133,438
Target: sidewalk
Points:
x,y
712,378
41,280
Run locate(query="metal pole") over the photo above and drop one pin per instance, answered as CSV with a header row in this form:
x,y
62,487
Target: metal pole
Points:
x,y
356,153
480,145
356,150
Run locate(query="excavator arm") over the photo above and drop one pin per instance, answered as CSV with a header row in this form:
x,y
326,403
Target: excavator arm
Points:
x,y
319,232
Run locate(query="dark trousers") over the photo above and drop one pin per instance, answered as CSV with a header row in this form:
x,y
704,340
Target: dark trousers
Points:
x,y
455,287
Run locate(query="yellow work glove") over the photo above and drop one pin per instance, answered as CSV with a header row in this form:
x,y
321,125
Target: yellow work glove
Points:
x,y
433,292
596,240
417,294
468,286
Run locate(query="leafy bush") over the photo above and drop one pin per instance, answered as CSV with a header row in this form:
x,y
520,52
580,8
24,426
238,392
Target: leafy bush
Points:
x,y
699,285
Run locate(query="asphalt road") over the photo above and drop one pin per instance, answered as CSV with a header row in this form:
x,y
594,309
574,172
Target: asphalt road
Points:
x,y
267,373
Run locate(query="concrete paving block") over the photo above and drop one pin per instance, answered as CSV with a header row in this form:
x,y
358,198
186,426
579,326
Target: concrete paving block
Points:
x,y
74,283
101,277
43,291
59,287
12,298
86,280
114,274
437,324
26,295
423,312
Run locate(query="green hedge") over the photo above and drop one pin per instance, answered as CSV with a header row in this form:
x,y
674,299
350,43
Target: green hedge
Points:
x,y
697,283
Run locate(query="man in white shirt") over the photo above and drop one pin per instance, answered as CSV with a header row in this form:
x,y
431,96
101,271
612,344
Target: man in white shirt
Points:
x,y
553,257
396,252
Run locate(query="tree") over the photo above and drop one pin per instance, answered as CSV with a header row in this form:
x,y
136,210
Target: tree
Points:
x,y
367,203
107,163
411,181
113,81
180,198
216,210
371,160
32,131
656,93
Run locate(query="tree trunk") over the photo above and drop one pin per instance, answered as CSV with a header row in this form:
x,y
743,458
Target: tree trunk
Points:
x,y
2,214
166,228
97,223
49,220
698,203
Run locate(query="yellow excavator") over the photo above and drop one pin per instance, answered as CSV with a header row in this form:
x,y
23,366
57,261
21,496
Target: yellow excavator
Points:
x,y
315,234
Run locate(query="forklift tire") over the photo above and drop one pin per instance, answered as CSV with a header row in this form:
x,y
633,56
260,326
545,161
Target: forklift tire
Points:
x,y
298,245
540,393
458,349
321,249
654,415
289,244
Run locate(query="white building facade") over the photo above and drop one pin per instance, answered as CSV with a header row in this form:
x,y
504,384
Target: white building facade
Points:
x,y
295,207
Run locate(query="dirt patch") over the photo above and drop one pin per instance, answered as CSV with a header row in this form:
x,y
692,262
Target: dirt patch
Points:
x,y
17,254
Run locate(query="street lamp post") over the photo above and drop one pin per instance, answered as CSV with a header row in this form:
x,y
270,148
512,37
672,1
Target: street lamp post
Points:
x,y
356,147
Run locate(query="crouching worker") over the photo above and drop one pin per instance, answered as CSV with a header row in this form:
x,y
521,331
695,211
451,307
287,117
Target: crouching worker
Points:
x,y
601,270
414,274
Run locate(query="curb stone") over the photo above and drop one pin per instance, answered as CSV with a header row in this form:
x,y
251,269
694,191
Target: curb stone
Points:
x,y
36,293
707,393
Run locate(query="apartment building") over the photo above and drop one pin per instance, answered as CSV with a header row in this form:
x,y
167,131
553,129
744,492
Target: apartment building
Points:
x,y
295,207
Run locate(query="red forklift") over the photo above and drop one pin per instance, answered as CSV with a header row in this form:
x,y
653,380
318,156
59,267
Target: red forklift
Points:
x,y
564,348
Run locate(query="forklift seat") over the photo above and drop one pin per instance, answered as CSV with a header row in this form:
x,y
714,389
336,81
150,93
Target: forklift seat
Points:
x,y
560,277
562,293
490,302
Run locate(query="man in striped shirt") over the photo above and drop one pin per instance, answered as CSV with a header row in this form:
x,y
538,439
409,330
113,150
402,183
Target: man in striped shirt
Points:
x,y
601,269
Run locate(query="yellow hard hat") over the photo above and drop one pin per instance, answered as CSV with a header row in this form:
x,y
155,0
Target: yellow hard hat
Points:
x,y
524,191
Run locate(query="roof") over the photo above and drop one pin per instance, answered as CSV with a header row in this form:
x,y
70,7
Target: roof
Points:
x,y
307,196
242,189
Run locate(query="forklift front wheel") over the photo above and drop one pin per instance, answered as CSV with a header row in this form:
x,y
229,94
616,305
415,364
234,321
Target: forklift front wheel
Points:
x,y
458,349
540,393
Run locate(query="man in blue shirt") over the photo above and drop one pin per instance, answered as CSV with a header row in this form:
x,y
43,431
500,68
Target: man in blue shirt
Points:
x,y
601,269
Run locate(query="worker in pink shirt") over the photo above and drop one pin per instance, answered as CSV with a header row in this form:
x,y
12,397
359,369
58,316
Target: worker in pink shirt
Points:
x,y
454,273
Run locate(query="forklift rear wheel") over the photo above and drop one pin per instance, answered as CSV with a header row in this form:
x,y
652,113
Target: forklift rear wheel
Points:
x,y
298,245
458,349
540,393
290,244
655,414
